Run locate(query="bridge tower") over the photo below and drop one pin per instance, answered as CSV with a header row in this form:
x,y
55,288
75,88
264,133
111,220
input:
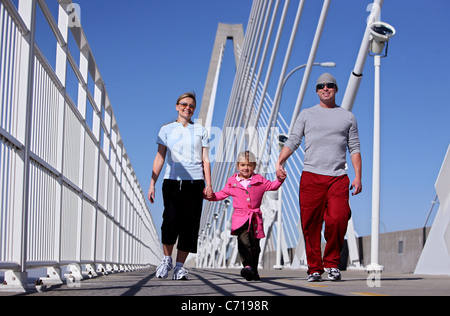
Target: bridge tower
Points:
x,y
225,32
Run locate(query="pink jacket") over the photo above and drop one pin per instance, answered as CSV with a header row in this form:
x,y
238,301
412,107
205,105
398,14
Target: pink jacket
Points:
x,y
247,202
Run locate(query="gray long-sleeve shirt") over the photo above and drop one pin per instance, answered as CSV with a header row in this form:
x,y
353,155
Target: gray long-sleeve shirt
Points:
x,y
328,133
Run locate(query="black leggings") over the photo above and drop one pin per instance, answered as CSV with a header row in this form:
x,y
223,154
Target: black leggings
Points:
x,y
248,246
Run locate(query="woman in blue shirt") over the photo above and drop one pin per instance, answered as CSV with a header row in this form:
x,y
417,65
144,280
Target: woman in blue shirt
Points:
x,y
185,147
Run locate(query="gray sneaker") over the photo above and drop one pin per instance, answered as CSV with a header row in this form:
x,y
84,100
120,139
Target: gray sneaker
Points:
x,y
180,273
162,271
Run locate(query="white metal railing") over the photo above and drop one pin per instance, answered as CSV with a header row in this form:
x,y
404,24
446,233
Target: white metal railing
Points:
x,y
68,192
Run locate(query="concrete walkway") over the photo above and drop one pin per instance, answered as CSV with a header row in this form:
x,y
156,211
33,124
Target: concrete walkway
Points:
x,y
273,283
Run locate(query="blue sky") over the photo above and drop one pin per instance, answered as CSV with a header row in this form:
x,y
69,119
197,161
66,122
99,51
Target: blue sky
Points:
x,y
149,52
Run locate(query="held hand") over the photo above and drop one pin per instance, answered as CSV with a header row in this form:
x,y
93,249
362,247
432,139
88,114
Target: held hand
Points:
x,y
281,173
208,192
281,176
357,185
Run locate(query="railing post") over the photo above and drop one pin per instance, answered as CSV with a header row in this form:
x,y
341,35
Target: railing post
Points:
x,y
18,279
55,273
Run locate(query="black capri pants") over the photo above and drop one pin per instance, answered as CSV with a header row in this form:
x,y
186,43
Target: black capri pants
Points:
x,y
183,203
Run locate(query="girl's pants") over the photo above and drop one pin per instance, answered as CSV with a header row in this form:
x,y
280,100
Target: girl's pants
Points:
x,y
324,198
183,202
248,246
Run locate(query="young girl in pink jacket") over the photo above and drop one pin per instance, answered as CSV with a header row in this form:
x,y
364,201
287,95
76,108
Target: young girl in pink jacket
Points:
x,y
247,190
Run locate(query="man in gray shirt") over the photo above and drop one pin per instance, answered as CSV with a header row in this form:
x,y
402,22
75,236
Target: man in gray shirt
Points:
x,y
324,186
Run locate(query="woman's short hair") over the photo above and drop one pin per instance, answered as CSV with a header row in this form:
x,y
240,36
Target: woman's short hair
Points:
x,y
187,95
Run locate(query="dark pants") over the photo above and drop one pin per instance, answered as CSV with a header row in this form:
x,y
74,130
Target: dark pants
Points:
x,y
183,202
248,246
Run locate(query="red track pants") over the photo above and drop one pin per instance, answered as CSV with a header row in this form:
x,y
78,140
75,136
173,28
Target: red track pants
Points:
x,y
324,198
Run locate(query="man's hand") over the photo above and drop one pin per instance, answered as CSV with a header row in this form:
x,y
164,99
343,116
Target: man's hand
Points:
x,y
356,184
281,173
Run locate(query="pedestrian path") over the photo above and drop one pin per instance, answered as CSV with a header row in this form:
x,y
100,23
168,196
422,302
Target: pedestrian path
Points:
x,y
229,283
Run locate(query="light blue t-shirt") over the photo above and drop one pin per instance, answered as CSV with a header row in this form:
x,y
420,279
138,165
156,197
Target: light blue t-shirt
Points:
x,y
184,150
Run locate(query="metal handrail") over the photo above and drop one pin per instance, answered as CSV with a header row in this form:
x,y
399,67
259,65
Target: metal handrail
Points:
x,y
85,207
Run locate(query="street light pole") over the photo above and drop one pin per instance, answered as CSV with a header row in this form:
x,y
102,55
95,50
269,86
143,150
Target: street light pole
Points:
x,y
324,64
380,34
375,245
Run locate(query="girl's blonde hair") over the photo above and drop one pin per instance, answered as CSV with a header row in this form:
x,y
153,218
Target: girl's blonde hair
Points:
x,y
247,156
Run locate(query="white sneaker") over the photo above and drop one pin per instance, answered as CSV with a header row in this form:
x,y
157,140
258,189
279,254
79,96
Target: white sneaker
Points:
x,y
315,277
162,271
180,273
333,274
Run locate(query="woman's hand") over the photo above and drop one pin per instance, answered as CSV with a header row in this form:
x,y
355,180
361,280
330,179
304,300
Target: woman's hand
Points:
x,y
208,192
151,194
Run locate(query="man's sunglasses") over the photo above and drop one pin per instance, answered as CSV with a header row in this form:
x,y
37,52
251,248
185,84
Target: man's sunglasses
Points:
x,y
330,85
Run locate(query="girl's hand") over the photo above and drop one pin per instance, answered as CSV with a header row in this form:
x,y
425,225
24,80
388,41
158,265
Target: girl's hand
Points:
x,y
281,173
208,192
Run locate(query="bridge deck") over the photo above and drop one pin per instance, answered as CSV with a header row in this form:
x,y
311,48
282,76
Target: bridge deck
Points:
x,y
229,283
